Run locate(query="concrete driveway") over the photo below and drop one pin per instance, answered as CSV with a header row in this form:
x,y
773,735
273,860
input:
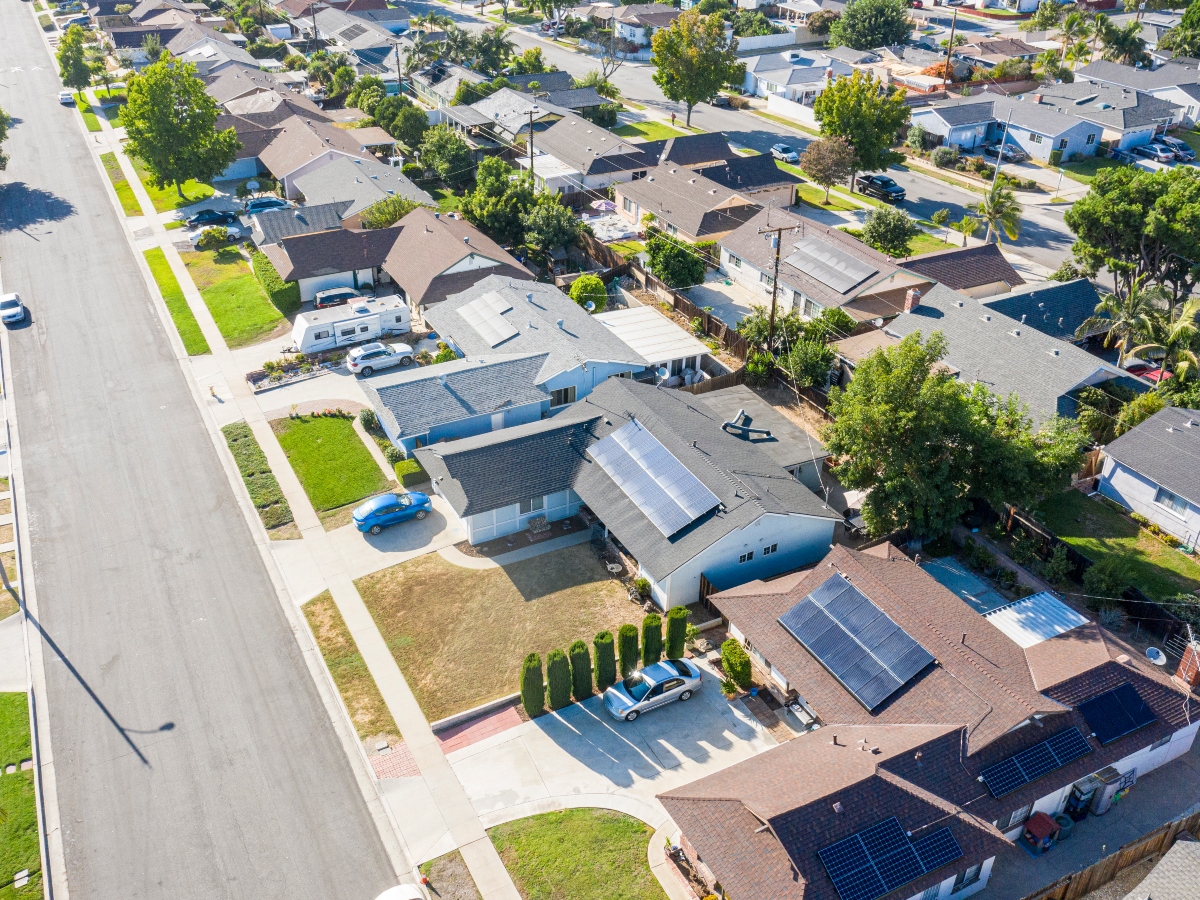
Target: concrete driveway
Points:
x,y
366,553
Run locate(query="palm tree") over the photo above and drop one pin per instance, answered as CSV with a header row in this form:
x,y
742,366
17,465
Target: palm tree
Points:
x,y
595,79
966,226
423,50
1052,68
1077,53
1171,339
458,45
1124,45
1128,319
97,57
1075,28
493,48
432,21
1000,211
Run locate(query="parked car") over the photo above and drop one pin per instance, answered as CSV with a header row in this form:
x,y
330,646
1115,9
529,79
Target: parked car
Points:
x,y
367,358
66,98
335,297
262,204
1155,151
719,100
880,186
1182,151
651,687
83,22
785,153
390,509
11,309
554,27
1007,152
232,233
208,217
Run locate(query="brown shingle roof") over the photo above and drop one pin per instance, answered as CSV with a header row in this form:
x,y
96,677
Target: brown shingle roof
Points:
x,y
692,203
330,252
1066,655
964,268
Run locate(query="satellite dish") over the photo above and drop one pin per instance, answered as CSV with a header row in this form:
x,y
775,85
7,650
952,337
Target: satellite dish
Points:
x,y
590,306
1156,656
662,372
252,185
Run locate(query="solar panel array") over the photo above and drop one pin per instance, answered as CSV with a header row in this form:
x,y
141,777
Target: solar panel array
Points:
x,y
832,267
660,485
351,32
486,315
856,641
1040,759
879,859
1117,713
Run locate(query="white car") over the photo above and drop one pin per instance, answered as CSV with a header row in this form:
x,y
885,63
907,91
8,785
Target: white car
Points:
x,y
11,309
232,233
66,98
367,358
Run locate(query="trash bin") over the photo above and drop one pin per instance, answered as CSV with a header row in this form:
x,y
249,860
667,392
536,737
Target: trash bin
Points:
x,y
1065,824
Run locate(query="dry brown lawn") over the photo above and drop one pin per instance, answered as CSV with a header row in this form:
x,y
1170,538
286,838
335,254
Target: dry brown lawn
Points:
x,y
358,689
449,878
459,635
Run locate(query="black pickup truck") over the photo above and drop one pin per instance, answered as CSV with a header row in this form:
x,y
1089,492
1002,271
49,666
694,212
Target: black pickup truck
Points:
x,y
880,186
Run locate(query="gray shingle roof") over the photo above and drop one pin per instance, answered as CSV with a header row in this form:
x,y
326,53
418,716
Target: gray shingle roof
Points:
x,y
1054,308
580,339
749,173
574,98
695,205
592,150
547,81
1105,104
330,252
510,109
274,225
1138,79
1164,449
788,444
1039,369
964,268
1173,877
360,182
413,401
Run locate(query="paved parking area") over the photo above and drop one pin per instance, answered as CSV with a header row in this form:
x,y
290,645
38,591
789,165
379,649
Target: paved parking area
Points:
x,y
730,302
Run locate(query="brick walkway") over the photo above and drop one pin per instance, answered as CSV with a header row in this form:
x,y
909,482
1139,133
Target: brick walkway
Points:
x,y
399,763
476,730
767,718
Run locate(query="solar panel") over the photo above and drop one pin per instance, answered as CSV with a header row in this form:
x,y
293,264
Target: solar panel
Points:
x,y
880,859
486,315
1116,713
832,267
856,641
1031,764
350,33
662,487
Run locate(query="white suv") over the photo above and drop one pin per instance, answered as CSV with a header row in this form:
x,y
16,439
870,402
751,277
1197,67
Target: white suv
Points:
x,y
366,359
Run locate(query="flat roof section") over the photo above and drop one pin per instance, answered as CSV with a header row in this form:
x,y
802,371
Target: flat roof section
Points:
x,y
1035,619
651,335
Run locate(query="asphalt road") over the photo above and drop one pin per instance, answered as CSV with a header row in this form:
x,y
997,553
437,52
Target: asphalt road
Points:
x,y
194,758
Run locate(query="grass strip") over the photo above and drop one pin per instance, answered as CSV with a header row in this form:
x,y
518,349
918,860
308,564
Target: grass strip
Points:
x,y
260,482
120,183
790,123
89,117
167,198
233,295
650,131
330,459
194,343
19,848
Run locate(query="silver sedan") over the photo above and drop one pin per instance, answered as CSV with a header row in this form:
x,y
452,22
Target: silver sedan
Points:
x,y
653,686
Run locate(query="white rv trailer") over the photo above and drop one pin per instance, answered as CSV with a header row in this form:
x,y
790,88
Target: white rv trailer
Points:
x,y
366,319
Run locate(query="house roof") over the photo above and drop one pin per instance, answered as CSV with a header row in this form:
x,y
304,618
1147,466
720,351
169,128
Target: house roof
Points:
x,y
1066,655
788,444
1052,307
358,182
749,173
270,107
1035,619
377,11
1165,449
411,402
131,37
988,347
580,339
298,9
1105,104
650,334
692,203
782,68
851,56
1174,876
592,150
300,140
329,252
1165,76
236,82
353,31
430,243
1005,48
547,81
963,268
574,98
273,225
746,481
860,346
510,109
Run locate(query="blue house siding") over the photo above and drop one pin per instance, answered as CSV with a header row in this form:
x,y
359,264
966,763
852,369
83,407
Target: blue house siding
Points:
x,y
469,427
1138,493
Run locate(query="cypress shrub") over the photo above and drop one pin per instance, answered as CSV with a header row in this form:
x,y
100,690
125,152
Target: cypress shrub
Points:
x,y
409,472
533,691
581,671
606,660
558,679
284,294
651,639
676,631
627,641
736,662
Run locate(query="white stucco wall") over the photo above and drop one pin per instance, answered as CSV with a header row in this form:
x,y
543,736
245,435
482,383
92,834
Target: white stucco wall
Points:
x,y
310,286
1136,492
509,520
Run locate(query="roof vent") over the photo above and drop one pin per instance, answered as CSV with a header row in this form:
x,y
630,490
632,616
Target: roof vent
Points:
x,y
691,181
559,323
837,807
1190,423
442,379
1016,332
958,303
297,214
466,239
1022,318
437,215
1055,352
987,318
529,296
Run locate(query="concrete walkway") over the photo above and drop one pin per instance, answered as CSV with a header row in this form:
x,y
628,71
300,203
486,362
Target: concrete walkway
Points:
x,y
13,676
457,557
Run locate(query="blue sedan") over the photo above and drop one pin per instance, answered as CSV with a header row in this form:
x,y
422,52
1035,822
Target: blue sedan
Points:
x,y
388,509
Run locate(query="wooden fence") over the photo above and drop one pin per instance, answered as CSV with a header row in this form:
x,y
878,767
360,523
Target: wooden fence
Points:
x,y
602,253
738,376
1077,884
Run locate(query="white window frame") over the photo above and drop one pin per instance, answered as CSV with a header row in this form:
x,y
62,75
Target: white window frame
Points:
x,y
532,505
562,396
627,204
736,260
1160,499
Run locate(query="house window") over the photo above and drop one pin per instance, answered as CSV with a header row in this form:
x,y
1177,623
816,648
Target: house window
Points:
x,y
812,310
766,279
1161,742
931,893
534,505
627,204
1035,138
672,230
1017,818
767,551
746,557
968,877
1091,139
639,175
562,396
1191,109
1173,502
736,261
1062,144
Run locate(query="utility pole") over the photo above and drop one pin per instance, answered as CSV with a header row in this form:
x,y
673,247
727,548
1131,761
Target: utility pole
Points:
x,y
949,50
777,243
532,176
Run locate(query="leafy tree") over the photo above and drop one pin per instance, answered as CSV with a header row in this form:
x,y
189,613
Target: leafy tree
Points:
x,y
469,92
1140,225
708,7
820,22
581,671
693,59
627,642
867,24
387,109
966,226
387,212
499,201
790,327
549,224
604,87
674,262
170,119
1098,408
367,92
866,114
677,622
558,679
443,151
72,63
342,81
831,325
941,218
606,660
828,161
808,364
5,124
410,126
1127,318
889,230
531,63
1000,211
122,8
1046,17
1049,63
652,639
1138,410
587,288
152,47
533,689
751,23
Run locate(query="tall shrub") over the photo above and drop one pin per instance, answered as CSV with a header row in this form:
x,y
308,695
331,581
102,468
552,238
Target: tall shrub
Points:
x,y
558,679
581,671
735,662
533,690
652,644
627,640
606,660
284,294
676,631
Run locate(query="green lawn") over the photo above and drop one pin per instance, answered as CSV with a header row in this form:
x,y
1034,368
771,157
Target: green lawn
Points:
x,y
1096,530
542,854
650,131
171,226
46,22
167,199
260,482
18,826
927,243
194,343
330,459
233,296
627,248
112,113
447,200
814,195
1085,170
516,18
780,120
89,117
120,184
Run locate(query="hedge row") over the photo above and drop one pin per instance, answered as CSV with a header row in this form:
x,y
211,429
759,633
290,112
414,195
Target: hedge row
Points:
x,y
284,294
264,490
410,472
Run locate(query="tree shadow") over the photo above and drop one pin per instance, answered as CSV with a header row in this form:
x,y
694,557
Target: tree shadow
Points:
x,y
22,206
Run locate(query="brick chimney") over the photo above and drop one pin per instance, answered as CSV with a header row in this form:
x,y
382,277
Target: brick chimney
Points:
x,y
1037,98
1189,667
912,300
